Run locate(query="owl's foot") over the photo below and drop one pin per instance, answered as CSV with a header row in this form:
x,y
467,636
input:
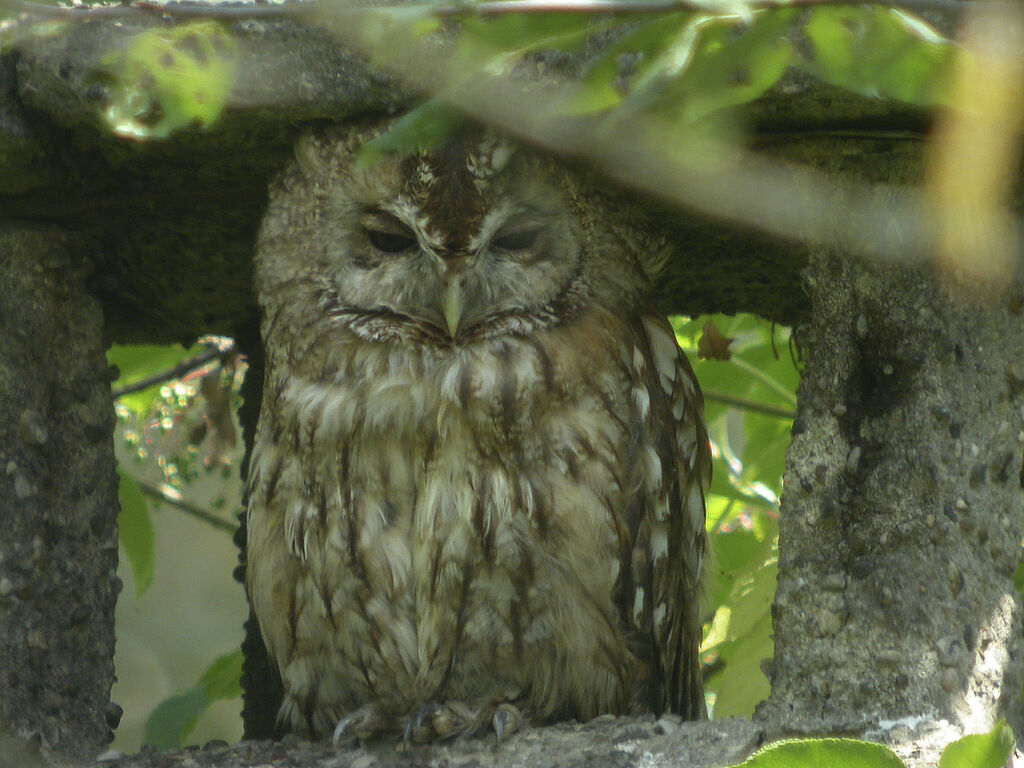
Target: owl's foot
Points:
x,y
360,725
442,721
506,721
435,721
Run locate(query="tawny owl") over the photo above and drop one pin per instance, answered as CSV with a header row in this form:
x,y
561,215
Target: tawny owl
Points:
x,y
477,487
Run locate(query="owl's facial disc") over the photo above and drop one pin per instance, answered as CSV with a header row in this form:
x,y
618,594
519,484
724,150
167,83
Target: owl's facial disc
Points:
x,y
495,279
453,247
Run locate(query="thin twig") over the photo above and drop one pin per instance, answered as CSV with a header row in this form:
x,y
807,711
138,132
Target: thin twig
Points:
x,y
748,405
191,509
299,8
619,7
179,371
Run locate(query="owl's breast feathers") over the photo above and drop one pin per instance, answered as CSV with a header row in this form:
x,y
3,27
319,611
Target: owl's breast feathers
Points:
x,y
517,520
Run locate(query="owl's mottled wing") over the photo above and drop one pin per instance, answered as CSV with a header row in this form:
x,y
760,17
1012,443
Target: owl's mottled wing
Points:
x,y
674,468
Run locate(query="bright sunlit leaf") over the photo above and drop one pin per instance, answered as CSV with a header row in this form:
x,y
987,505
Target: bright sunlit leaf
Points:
x,y
742,508
881,52
732,66
743,684
136,362
834,753
418,129
983,750
167,79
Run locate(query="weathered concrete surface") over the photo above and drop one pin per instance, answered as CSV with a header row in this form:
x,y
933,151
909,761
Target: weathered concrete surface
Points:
x,y
606,742
58,500
603,743
900,525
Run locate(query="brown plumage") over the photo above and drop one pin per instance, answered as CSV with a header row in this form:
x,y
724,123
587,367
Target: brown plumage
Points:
x,y
477,486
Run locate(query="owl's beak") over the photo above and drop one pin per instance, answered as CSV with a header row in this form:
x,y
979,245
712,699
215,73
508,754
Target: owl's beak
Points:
x,y
452,307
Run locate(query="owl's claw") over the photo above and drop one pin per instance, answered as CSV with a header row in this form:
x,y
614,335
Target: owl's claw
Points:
x,y
358,725
445,720
506,721
415,726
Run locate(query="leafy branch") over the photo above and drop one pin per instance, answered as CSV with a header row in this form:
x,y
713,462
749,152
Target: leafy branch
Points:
x,y
748,405
693,70
191,509
690,68
181,370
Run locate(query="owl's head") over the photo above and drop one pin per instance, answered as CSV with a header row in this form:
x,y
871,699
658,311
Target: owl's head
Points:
x,y
474,239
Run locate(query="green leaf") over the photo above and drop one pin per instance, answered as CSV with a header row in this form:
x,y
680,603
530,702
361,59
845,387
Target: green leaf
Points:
x,y
834,753
426,126
135,532
984,750
743,532
223,678
722,486
742,684
519,33
168,79
760,369
729,70
749,603
735,554
139,361
598,87
751,446
714,63
647,40
175,718
764,453
881,52
384,30
740,551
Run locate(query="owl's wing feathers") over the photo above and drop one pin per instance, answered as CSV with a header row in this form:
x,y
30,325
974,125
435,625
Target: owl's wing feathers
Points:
x,y
674,467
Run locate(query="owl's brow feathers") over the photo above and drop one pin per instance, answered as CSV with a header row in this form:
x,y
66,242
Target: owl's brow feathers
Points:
x,y
382,323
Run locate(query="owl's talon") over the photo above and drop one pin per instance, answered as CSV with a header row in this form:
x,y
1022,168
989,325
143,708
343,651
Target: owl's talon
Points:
x,y
506,721
414,727
357,725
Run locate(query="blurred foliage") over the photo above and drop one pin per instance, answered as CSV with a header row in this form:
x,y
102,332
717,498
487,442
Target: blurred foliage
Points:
x,y
137,362
175,718
183,426
753,364
420,128
882,52
135,531
691,69
169,79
